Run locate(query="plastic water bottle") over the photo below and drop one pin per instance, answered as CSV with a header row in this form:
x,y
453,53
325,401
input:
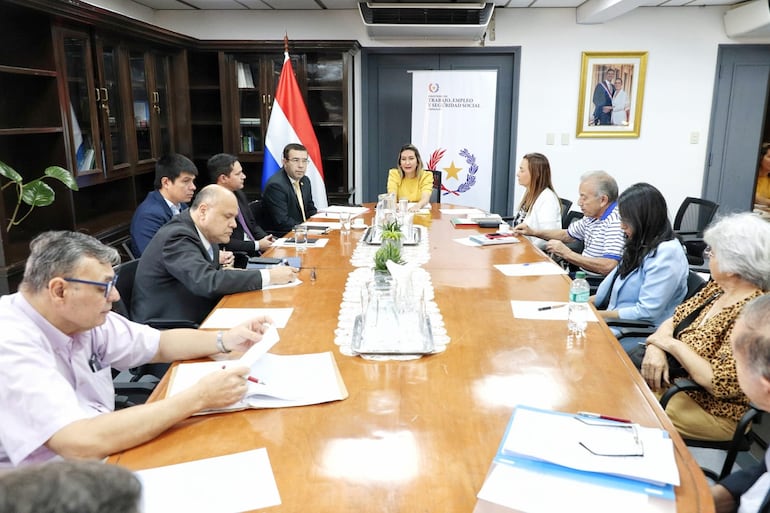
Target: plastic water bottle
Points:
x,y
579,292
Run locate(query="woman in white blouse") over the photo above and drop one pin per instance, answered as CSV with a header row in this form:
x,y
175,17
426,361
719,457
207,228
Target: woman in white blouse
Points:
x,y
540,208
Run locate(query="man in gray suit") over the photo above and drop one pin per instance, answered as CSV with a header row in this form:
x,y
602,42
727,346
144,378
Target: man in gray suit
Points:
x,y
179,275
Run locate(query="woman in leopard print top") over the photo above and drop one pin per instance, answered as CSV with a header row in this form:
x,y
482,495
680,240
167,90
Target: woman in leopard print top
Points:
x,y
698,334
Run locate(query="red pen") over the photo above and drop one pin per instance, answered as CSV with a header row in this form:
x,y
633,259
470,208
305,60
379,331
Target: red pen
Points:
x,y
255,380
603,417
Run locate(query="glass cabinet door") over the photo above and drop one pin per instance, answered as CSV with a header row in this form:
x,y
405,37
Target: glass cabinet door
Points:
x,y
82,101
251,100
141,103
111,107
161,105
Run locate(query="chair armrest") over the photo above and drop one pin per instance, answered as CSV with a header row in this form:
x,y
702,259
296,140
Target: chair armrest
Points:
x,y
680,385
167,324
631,327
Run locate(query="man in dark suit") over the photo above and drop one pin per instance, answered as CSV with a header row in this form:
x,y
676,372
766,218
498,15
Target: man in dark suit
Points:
x,y
179,275
281,197
174,187
750,488
602,99
248,237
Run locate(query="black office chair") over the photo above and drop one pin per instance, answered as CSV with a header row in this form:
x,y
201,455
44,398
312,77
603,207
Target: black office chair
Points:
x,y
435,195
743,437
565,211
693,216
136,389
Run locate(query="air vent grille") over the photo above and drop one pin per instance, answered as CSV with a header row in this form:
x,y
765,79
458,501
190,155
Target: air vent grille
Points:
x,y
426,15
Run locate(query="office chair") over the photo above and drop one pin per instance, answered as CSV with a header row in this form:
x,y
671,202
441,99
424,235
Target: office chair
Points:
x,y
565,206
693,216
743,437
135,389
435,195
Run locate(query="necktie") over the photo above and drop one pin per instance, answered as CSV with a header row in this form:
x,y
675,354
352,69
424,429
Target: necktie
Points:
x,y
299,199
245,226
211,253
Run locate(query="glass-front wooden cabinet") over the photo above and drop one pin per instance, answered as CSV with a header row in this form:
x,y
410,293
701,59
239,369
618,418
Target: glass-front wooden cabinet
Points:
x,y
120,108
323,77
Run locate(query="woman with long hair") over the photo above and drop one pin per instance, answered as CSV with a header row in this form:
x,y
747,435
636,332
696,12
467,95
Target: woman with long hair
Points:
x,y
409,180
651,278
540,208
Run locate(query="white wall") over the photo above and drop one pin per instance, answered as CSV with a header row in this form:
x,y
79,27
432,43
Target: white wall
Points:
x,y
682,50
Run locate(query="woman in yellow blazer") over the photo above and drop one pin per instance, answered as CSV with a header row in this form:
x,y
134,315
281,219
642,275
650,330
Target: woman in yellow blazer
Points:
x,y
410,181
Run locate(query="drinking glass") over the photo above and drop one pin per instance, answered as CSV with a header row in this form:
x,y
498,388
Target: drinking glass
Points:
x,y
300,237
345,222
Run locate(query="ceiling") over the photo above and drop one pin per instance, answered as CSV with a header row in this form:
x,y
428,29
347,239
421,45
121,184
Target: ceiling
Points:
x,y
605,5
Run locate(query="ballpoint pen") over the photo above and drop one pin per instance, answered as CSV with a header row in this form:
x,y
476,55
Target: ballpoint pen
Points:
x,y
603,417
550,307
255,380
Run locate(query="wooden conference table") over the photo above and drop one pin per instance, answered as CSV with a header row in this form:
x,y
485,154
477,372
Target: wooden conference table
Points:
x,y
420,435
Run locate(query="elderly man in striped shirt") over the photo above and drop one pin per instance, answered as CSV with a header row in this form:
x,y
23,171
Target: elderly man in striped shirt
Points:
x,y
599,229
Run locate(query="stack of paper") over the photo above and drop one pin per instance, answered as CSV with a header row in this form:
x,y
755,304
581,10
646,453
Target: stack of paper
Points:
x,y
283,380
595,464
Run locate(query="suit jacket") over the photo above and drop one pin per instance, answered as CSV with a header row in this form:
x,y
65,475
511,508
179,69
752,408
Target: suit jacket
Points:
x,y
282,211
150,215
175,278
237,242
603,98
739,482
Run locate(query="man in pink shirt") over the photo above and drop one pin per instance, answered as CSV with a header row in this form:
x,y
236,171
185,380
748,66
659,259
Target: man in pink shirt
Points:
x,y
60,341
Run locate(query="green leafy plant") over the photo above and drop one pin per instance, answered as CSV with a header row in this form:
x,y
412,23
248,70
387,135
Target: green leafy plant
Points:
x,y
392,228
34,193
385,253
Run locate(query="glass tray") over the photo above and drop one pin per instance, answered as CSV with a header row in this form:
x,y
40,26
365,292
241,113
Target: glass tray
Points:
x,y
372,236
424,346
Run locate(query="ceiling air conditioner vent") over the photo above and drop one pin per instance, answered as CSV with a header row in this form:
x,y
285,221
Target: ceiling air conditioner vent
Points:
x,y
426,21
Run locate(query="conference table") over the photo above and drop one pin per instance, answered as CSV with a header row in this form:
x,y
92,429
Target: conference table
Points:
x,y
420,435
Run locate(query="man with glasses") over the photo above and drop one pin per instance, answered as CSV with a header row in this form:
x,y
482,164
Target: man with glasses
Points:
x,y
58,346
287,197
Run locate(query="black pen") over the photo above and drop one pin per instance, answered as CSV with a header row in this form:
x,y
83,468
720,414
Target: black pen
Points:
x,y
550,307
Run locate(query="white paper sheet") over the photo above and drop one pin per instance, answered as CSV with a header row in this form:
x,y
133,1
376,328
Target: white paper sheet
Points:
x,y
533,492
234,483
557,312
530,269
225,318
460,212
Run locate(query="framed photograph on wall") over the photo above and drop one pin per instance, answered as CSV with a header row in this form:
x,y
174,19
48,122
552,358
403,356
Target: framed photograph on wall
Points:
x,y
611,94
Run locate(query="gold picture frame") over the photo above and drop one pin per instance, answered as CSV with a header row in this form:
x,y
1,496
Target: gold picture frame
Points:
x,y
614,110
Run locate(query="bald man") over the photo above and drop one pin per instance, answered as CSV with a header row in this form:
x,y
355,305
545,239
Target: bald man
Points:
x,y
179,275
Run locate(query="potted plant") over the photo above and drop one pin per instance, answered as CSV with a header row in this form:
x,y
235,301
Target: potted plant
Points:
x,y
391,235
34,193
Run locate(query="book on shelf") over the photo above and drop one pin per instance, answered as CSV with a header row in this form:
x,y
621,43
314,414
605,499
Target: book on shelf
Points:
x,y
282,380
245,78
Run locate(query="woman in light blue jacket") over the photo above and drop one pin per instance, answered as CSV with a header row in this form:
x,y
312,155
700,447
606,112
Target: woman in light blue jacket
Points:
x,y
651,278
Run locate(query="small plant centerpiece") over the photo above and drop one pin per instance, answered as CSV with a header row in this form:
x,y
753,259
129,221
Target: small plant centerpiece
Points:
x,y
390,249
34,193
391,234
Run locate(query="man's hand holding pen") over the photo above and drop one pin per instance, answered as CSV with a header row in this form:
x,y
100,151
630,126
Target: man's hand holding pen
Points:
x,y
283,274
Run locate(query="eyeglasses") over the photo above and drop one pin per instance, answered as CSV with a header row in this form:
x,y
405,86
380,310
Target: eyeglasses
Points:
x,y
708,252
296,160
108,285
